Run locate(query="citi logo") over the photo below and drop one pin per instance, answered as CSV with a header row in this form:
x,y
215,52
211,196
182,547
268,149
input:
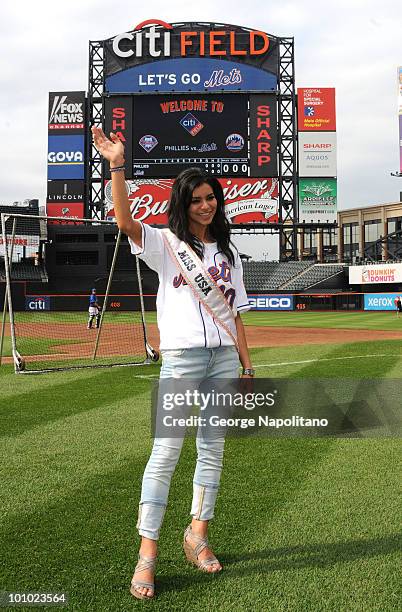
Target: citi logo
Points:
x,y
205,43
65,157
139,38
38,303
191,124
66,112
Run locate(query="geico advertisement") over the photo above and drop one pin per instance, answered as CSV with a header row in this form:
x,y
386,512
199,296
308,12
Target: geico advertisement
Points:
x,y
259,301
380,301
37,303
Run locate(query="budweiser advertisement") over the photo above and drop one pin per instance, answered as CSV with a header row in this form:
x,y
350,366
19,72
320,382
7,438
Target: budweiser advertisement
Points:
x,y
247,200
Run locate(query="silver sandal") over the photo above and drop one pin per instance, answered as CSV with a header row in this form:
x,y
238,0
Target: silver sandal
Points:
x,y
192,553
144,563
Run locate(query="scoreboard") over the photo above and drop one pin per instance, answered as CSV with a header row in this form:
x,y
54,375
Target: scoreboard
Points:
x,y
224,134
172,133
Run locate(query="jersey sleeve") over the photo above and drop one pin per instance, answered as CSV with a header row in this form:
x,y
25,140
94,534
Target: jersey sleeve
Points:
x,y
152,249
241,299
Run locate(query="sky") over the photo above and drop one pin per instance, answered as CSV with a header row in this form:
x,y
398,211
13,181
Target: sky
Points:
x,y
352,45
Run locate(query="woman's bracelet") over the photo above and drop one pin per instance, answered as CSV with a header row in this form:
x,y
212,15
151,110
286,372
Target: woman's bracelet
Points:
x,y
118,169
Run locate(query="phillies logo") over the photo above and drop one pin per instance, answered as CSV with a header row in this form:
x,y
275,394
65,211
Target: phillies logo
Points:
x,y
148,142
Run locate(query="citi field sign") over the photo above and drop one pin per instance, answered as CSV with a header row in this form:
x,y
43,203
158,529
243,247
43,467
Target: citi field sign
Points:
x,y
158,56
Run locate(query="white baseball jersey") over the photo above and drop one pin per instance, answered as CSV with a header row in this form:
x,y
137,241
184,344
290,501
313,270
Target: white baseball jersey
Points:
x,y
182,320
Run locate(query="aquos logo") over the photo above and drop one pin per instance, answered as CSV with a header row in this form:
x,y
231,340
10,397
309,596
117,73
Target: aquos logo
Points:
x,y
213,43
37,303
271,302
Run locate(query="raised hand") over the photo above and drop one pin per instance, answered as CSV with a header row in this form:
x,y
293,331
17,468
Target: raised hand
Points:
x,y
112,150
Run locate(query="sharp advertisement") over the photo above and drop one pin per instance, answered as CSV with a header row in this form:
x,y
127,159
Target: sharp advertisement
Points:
x,y
317,200
171,133
317,154
119,119
316,109
246,200
225,135
190,57
66,112
263,135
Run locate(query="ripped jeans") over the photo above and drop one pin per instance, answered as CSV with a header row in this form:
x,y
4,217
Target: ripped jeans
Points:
x,y
201,364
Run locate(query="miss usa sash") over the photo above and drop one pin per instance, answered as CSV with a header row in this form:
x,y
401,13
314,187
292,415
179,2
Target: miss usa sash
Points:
x,y
200,282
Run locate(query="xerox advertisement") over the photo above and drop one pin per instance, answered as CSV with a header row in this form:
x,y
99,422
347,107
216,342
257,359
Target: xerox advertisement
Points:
x,y
171,133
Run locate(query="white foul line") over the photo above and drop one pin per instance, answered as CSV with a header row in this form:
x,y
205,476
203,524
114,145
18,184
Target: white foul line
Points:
x,y
285,363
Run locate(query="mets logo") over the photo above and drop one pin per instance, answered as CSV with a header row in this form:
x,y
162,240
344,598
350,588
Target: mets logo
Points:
x,y
148,142
234,142
191,124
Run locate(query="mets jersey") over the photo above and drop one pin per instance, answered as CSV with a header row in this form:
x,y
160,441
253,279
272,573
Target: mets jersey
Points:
x,y
182,320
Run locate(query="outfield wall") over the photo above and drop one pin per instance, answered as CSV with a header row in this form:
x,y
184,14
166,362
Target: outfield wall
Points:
x,y
27,300
26,297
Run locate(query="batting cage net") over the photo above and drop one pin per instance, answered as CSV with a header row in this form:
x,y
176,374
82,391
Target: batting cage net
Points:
x,y
52,330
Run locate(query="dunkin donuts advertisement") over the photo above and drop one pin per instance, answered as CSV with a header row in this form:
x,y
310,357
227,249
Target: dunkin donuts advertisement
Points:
x,y
247,200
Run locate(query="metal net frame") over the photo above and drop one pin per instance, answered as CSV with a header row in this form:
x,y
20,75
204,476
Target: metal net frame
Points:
x,y
57,332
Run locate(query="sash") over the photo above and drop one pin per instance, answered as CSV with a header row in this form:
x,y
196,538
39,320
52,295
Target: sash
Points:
x,y
200,282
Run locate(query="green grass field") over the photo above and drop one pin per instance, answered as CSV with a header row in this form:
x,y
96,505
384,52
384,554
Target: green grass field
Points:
x,y
301,524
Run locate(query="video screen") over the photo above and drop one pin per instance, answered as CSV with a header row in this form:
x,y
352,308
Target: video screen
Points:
x,y
171,133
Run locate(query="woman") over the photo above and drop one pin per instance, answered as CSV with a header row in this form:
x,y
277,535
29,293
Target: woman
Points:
x,y
202,337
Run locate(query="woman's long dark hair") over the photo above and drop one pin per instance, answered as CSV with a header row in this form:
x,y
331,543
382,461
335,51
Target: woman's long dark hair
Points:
x,y
180,200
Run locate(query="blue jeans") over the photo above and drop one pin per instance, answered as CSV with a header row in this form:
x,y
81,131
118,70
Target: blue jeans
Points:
x,y
200,364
